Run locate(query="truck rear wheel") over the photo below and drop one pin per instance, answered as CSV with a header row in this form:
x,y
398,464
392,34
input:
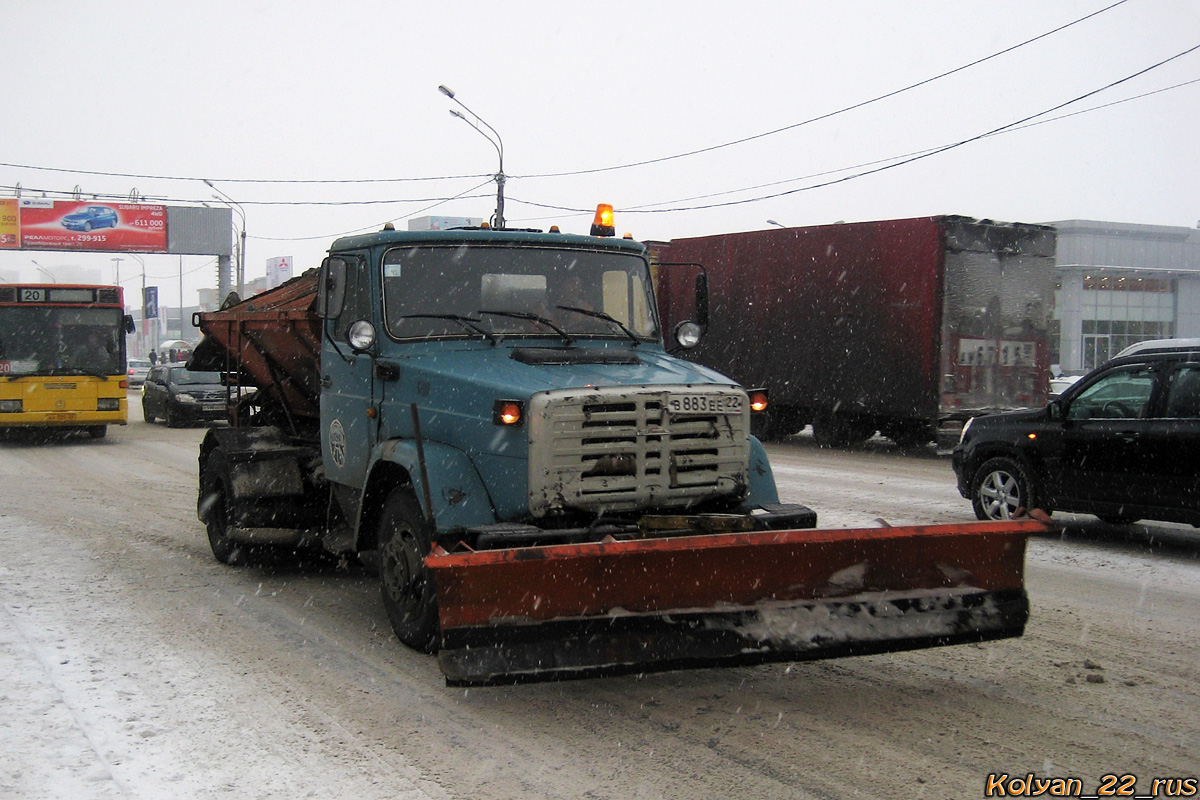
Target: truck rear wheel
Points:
x,y
406,585
217,494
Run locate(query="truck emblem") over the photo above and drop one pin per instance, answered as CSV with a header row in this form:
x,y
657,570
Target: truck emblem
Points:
x,y
337,443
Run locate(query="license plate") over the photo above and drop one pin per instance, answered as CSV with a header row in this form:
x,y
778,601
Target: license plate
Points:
x,y
62,416
704,404
213,406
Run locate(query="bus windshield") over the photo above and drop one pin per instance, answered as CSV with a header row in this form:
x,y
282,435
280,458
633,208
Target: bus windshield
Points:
x,y
48,340
431,291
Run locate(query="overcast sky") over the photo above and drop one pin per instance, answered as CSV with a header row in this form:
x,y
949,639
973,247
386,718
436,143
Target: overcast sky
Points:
x,y
153,96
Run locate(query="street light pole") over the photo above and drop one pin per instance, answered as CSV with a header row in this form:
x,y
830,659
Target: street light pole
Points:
x,y
236,206
118,261
498,143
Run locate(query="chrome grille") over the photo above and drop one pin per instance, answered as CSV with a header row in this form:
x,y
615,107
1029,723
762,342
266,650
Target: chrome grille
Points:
x,y
620,449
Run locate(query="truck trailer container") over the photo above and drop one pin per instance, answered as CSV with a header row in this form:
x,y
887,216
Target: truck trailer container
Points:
x,y
901,326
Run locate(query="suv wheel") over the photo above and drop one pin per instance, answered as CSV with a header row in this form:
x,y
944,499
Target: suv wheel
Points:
x,y
1001,488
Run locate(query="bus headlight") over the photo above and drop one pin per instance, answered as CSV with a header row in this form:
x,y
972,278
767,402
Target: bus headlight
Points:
x,y
10,407
108,404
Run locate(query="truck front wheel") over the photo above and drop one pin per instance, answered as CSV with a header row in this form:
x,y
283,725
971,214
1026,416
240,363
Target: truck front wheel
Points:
x,y
407,587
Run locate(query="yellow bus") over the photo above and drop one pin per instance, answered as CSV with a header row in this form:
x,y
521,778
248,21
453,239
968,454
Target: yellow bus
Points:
x,y
62,357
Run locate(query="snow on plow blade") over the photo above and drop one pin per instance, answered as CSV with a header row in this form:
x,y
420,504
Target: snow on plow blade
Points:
x,y
569,611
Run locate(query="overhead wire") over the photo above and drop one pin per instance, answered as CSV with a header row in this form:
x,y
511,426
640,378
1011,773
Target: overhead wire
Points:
x,y
711,148
903,160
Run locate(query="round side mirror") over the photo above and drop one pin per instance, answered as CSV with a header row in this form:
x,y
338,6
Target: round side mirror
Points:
x,y
688,334
361,336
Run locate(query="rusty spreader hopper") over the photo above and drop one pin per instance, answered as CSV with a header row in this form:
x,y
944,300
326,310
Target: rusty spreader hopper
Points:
x,y
539,613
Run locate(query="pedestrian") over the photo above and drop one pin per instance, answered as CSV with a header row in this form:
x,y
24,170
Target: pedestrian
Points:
x,y
153,358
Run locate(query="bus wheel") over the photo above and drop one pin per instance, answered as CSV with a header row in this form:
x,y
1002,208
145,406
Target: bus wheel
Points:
x,y
97,431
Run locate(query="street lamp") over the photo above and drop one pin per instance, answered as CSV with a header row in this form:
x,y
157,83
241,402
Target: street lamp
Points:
x,y
236,206
118,261
498,219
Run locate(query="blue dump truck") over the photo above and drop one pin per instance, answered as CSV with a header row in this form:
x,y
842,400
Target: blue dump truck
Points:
x,y
490,420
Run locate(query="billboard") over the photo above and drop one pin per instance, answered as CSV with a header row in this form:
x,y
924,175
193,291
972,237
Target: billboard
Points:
x,y
9,229
92,225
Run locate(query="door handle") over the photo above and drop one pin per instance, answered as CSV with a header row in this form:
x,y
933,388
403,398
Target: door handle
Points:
x,y
326,381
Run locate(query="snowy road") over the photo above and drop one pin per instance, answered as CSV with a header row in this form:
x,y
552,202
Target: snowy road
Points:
x,y
135,666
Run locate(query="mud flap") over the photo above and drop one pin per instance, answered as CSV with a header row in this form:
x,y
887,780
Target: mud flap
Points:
x,y
566,611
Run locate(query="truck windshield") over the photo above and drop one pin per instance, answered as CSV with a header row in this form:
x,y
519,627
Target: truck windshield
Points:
x,y
468,281
60,341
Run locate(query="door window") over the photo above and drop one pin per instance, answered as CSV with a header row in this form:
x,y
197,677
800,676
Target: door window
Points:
x,y
1183,395
1122,394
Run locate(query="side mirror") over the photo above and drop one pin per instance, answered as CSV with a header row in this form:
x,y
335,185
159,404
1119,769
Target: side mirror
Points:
x,y
1055,410
128,324
702,299
331,287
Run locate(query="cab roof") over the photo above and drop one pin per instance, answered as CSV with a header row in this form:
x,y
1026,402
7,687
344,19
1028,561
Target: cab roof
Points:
x,y
514,237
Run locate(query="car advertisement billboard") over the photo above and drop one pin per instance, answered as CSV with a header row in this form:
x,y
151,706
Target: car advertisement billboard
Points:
x,y
10,231
92,225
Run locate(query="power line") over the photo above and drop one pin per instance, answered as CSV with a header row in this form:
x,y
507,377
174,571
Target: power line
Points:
x,y
300,181
903,159
821,117
927,150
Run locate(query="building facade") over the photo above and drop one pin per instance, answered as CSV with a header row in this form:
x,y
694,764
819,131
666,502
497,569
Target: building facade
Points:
x,y
1121,283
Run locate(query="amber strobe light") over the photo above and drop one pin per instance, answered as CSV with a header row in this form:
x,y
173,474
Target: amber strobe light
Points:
x,y
603,225
508,412
758,400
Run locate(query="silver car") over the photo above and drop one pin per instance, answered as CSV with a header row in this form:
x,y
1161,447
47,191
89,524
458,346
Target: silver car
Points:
x,y
137,370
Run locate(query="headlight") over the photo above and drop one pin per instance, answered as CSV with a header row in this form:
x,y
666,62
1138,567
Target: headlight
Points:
x,y
184,397
10,406
108,404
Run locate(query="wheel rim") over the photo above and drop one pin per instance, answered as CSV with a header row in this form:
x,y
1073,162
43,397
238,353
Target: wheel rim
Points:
x,y
1000,495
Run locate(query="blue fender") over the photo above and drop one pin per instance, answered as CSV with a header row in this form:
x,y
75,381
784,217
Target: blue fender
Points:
x,y
762,478
459,497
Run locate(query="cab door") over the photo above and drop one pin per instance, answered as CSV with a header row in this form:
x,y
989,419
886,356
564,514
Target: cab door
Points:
x,y
1106,454
347,387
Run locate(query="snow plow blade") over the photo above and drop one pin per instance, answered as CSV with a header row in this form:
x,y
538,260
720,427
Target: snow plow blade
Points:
x,y
611,607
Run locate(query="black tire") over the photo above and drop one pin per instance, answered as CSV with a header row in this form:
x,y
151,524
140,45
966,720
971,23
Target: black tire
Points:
x,y
146,413
217,494
1001,488
777,424
171,417
97,431
405,584
836,431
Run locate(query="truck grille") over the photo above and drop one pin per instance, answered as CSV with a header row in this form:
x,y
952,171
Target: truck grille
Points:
x,y
620,449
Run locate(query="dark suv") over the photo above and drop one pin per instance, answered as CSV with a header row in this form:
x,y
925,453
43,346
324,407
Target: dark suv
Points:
x,y
1122,443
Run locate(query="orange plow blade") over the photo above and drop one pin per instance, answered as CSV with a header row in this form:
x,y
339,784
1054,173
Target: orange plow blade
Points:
x,y
566,611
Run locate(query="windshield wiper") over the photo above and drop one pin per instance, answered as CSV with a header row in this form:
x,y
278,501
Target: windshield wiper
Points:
x,y
567,341
607,318
466,322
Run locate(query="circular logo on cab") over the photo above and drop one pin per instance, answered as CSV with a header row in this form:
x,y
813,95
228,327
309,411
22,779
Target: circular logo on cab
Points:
x,y
337,443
